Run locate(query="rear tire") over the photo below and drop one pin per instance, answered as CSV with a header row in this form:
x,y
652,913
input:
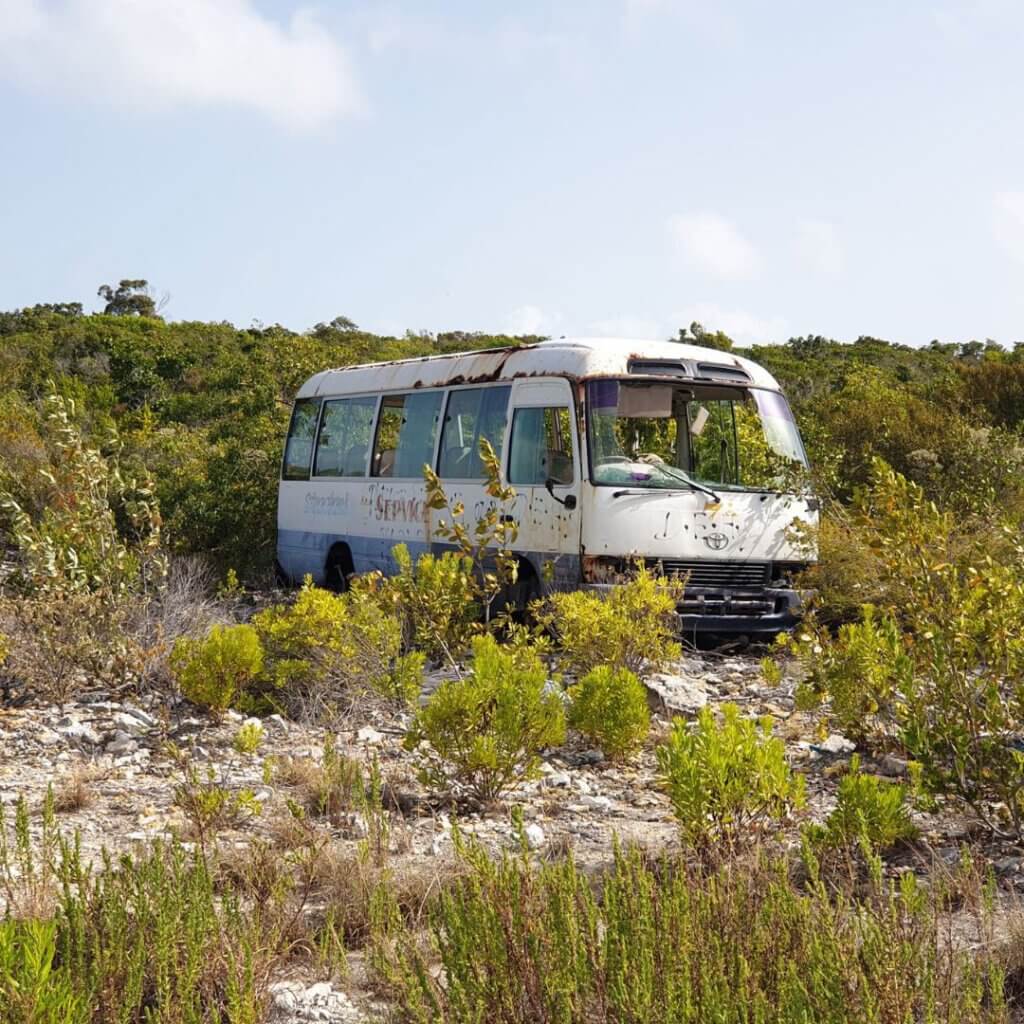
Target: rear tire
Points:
x,y
338,570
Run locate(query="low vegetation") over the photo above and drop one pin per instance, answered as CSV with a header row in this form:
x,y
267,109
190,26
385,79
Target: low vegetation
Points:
x,y
728,781
480,734
666,942
633,628
608,706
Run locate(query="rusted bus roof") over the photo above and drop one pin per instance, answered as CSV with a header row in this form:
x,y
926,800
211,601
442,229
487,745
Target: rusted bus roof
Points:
x,y
576,358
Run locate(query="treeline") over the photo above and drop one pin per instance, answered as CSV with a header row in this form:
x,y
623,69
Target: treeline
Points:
x,y
201,408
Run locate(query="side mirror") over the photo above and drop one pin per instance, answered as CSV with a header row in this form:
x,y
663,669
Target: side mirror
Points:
x,y
568,502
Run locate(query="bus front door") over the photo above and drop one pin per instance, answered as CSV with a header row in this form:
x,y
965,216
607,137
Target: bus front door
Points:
x,y
544,468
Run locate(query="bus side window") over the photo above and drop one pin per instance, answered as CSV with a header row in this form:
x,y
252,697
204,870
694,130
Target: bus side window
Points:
x,y
541,446
343,444
472,414
405,434
298,449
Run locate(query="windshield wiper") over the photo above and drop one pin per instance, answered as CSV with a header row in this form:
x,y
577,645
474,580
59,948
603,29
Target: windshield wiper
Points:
x,y
678,474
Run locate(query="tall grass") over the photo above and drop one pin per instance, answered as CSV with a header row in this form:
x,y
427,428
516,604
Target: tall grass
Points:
x,y
149,939
661,941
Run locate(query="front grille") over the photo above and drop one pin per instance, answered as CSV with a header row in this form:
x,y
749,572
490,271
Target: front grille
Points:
x,y
715,574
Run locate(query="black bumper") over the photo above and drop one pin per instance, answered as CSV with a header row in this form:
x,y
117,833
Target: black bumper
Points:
x,y
749,612
760,612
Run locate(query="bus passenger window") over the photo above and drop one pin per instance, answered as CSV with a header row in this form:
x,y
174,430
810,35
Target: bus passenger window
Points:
x,y
298,449
541,447
405,434
472,414
344,441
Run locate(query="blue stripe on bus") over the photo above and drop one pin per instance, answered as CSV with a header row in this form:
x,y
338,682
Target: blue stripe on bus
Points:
x,y
304,553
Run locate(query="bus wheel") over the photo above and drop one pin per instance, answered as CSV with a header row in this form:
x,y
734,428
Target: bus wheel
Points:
x,y
338,569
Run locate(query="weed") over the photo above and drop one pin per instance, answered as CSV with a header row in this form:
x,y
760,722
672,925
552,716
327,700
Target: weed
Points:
x,y
633,627
248,738
480,734
609,707
726,781
216,671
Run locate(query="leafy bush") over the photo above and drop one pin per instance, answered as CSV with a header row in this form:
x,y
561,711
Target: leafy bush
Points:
x,y
325,649
940,670
863,672
435,598
210,806
633,627
488,544
61,643
480,734
671,943
726,781
216,671
248,738
97,528
609,707
868,809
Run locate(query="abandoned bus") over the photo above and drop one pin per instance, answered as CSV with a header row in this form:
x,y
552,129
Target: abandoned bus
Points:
x,y
682,456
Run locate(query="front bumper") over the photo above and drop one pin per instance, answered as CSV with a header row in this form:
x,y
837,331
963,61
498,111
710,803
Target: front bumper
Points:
x,y
751,613
760,612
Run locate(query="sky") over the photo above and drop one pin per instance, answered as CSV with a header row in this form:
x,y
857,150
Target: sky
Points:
x,y
601,167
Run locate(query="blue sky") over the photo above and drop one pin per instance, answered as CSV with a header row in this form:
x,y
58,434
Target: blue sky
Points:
x,y
615,167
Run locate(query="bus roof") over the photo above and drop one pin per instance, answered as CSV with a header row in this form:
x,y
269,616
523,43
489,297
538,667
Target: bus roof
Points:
x,y
575,358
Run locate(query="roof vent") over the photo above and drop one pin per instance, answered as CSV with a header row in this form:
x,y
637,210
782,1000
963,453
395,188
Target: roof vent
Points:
x,y
716,372
659,367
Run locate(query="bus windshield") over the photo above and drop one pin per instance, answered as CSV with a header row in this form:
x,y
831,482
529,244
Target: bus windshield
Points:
x,y
658,435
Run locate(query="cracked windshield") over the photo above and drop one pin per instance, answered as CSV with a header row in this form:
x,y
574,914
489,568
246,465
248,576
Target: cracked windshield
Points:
x,y
669,436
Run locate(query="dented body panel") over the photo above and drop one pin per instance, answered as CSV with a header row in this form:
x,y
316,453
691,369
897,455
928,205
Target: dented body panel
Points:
x,y
734,547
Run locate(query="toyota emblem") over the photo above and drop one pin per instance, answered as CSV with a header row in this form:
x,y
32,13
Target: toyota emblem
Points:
x,y
716,541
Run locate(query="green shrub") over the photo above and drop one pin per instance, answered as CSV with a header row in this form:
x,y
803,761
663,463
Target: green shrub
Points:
x,y
97,528
863,672
941,670
609,707
210,806
868,809
726,781
248,738
672,943
633,627
217,670
326,649
488,543
436,598
480,734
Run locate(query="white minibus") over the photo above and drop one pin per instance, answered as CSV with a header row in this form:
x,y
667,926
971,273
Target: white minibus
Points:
x,y
685,457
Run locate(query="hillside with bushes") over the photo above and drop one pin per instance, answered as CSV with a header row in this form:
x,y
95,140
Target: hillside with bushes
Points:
x,y
227,802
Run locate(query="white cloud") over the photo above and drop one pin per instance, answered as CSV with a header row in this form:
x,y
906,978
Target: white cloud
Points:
x,y
819,247
712,244
1008,222
164,53
628,327
743,327
533,320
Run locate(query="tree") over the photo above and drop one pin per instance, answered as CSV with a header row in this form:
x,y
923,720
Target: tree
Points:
x,y
696,335
132,298
340,324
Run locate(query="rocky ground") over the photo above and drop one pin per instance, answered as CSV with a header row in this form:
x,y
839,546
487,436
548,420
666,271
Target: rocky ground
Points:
x,y
120,752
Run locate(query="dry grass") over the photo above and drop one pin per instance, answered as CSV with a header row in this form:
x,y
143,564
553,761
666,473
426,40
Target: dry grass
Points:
x,y
73,791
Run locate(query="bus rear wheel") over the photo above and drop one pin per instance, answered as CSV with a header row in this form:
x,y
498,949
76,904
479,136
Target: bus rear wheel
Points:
x,y
338,569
